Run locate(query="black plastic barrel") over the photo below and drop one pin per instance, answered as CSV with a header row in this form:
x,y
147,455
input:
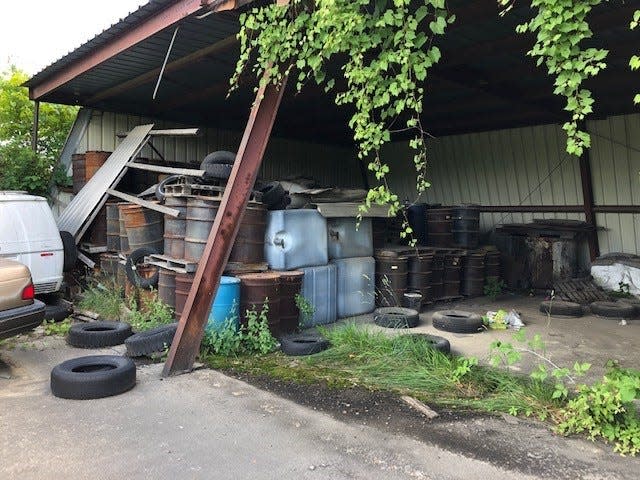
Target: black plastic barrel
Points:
x,y
437,276
391,280
419,276
472,284
417,217
440,227
466,226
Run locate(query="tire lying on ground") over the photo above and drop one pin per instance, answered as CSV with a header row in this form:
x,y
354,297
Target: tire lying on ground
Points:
x,y
150,341
56,313
95,376
613,309
396,317
98,334
635,302
561,308
436,342
457,321
303,344
136,257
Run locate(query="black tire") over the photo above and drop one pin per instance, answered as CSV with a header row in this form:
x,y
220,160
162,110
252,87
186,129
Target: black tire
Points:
x,y
303,344
56,313
272,194
216,171
98,334
632,301
613,309
159,193
436,342
221,157
70,251
457,321
561,308
396,317
151,341
136,257
281,205
95,376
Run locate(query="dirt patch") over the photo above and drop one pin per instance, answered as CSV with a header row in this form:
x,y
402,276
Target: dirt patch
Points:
x,y
513,444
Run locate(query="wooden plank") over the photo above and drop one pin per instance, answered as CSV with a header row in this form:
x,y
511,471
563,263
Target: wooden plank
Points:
x,y
171,170
419,406
86,260
144,203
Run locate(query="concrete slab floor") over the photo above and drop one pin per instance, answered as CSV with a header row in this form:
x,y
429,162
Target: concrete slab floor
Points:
x,y
589,338
199,426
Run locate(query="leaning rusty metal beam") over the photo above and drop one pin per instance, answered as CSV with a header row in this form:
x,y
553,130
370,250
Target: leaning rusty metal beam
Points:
x,y
186,343
161,20
151,75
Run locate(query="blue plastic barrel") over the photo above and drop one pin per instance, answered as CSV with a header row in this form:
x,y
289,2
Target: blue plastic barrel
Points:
x,y
226,305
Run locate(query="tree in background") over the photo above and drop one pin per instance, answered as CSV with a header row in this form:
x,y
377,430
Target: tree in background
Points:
x,y
20,167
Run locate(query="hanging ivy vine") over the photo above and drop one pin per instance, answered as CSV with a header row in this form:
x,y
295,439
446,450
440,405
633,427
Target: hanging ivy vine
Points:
x,y
383,49
634,63
560,27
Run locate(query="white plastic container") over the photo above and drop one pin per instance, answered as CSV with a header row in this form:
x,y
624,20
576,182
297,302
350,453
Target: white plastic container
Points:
x,y
28,234
295,239
347,239
319,288
356,286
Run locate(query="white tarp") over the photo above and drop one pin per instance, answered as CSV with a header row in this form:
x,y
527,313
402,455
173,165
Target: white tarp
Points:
x,y
610,276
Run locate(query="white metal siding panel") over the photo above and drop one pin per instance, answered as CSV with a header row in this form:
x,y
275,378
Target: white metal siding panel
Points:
x,y
330,165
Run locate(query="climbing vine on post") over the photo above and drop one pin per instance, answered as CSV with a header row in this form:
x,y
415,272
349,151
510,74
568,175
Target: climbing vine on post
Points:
x,y
381,50
560,26
634,63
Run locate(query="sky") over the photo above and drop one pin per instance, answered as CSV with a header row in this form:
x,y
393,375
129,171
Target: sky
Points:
x,y
35,33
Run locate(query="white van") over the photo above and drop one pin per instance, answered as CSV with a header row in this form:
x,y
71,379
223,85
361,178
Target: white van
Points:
x,y
28,234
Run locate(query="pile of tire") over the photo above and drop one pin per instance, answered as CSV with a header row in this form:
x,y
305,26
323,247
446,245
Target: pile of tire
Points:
x,y
98,376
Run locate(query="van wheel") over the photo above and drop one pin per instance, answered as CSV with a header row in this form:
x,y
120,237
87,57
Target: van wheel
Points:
x,y
69,250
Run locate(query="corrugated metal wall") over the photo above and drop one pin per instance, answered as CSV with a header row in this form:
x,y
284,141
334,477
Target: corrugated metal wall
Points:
x,y
529,166
615,167
328,164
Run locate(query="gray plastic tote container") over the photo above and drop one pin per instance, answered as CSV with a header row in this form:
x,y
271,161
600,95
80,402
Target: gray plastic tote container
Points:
x,y
347,239
319,289
356,285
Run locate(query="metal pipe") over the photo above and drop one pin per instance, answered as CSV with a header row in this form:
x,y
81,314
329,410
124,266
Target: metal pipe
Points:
x,y
36,125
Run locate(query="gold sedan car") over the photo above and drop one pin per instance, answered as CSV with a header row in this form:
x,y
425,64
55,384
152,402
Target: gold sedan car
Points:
x,y
19,310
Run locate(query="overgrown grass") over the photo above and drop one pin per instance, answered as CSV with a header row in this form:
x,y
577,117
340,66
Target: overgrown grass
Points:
x,y
104,300
403,364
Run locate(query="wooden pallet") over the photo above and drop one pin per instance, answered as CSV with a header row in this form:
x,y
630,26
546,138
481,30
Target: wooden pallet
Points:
x,y
215,191
178,265
235,268
579,290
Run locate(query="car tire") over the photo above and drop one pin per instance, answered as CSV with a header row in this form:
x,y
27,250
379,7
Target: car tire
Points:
x,y
272,194
561,308
150,341
98,334
457,321
632,301
396,317
159,193
303,344
133,259
95,376
221,157
56,313
69,250
437,343
613,309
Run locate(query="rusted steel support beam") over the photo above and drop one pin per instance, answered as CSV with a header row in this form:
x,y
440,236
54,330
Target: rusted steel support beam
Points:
x,y
171,15
186,342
